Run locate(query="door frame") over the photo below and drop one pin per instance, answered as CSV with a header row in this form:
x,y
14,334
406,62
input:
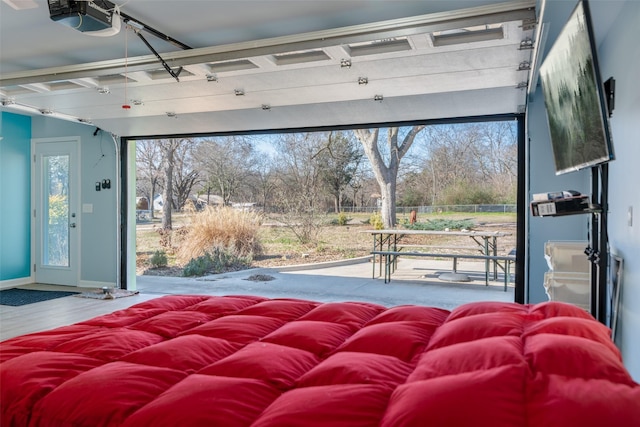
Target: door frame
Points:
x,y
74,190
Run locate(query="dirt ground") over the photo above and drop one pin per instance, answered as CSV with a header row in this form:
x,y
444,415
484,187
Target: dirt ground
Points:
x,y
280,247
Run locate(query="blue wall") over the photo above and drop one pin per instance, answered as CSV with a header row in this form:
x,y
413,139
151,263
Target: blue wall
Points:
x,y
615,28
15,196
99,229
619,56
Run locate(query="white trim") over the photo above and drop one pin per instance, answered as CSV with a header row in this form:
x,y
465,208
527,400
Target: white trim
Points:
x,y
78,191
11,283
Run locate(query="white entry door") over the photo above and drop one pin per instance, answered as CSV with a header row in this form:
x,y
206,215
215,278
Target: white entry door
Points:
x,y
56,214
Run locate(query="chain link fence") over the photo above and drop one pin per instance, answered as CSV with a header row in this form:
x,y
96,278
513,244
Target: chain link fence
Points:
x,y
505,208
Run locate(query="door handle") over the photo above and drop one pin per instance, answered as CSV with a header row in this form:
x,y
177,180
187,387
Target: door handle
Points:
x,y
72,225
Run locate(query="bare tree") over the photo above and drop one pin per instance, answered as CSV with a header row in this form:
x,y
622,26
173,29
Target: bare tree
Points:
x,y
226,163
299,185
263,179
168,147
386,170
338,160
470,162
149,172
186,173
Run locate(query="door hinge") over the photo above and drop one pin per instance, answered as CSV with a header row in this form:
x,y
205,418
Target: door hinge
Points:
x,y
34,213
34,158
34,268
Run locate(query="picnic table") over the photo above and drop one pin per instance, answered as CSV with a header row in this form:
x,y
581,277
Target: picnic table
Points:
x,y
387,246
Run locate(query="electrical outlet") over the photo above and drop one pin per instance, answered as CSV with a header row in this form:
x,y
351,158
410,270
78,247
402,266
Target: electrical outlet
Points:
x,y
97,186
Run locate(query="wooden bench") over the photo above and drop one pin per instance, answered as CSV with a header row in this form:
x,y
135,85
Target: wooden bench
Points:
x,y
390,258
450,247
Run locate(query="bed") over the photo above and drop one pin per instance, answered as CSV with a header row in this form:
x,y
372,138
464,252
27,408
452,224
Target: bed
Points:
x,y
191,360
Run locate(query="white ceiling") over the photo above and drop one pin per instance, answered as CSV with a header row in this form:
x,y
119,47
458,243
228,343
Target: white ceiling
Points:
x,y
246,46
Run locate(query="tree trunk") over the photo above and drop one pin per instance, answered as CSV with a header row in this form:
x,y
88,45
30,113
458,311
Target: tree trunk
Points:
x,y
152,198
167,193
388,208
387,175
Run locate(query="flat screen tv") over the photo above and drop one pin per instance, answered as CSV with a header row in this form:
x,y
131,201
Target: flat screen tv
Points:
x,y
575,98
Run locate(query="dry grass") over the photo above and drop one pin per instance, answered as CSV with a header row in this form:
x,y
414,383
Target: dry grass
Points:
x,y
223,227
280,246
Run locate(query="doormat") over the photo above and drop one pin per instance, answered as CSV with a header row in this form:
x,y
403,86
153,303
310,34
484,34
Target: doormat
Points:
x,y
109,293
16,297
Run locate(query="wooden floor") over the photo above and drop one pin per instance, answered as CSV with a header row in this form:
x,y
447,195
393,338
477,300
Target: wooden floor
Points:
x,y
57,312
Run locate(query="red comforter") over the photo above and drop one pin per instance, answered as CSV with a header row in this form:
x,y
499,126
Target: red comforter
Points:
x,y
250,361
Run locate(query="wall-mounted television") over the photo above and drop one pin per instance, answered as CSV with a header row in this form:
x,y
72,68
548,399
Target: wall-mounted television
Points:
x,y
574,96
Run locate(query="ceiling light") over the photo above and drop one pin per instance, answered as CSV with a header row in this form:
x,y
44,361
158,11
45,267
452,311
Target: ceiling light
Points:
x,y
378,98
345,63
363,80
212,77
239,92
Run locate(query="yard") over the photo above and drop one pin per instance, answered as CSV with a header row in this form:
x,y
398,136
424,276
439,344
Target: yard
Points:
x,y
334,242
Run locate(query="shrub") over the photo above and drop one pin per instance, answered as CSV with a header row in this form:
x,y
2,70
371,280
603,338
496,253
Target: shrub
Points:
x,y
158,259
221,228
218,260
440,224
376,221
342,219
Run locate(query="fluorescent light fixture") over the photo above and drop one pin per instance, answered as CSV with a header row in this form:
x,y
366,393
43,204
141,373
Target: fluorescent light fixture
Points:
x,y
468,35
10,103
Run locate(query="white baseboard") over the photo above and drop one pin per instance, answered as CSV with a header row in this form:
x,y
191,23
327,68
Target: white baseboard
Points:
x,y
6,284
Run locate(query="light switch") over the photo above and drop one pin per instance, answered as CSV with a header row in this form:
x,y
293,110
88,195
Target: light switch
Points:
x,y
87,208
